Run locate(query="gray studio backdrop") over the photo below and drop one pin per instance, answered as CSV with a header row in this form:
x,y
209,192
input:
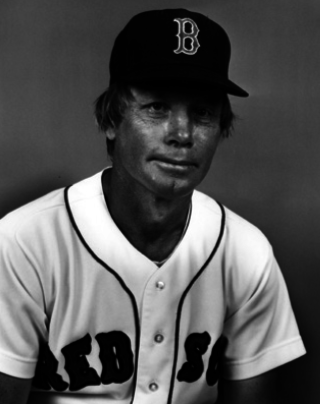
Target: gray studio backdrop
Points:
x,y
53,64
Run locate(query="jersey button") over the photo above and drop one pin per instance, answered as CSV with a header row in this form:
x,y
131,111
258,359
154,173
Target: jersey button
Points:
x,y
153,387
159,338
160,285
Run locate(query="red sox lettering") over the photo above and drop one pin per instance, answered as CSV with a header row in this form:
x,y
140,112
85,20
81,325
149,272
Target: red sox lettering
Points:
x,y
117,361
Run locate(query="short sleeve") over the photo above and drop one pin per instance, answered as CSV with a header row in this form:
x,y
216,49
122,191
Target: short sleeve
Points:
x,y
22,319
262,331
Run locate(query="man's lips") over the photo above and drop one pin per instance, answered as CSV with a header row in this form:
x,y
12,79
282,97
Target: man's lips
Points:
x,y
175,161
175,166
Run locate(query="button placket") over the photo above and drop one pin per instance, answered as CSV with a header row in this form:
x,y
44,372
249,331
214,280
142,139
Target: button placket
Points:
x,y
154,326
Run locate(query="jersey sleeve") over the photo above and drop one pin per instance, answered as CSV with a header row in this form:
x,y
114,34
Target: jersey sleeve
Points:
x,y
260,327
22,308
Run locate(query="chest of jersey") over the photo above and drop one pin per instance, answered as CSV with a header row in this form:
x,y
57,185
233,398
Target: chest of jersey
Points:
x,y
126,331
105,339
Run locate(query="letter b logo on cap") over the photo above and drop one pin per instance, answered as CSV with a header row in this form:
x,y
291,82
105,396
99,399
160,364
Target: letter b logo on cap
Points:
x,y
183,35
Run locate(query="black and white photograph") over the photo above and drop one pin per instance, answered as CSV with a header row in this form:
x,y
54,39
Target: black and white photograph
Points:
x,y
159,202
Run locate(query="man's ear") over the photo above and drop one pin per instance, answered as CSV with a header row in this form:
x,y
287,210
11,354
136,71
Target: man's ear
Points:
x,y
111,133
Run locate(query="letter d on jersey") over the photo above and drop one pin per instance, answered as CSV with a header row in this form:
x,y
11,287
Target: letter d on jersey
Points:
x,y
183,35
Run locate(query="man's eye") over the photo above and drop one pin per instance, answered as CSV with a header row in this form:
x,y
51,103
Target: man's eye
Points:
x,y
203,112
157,107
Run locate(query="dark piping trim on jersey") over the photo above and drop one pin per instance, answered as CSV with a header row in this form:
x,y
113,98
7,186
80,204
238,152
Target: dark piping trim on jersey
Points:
x,y
120,280
184,294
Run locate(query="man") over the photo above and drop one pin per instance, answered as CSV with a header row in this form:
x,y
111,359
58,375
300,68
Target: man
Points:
x,y
130,286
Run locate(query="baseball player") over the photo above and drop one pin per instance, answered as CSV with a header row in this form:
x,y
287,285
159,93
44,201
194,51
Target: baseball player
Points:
x,y
131,286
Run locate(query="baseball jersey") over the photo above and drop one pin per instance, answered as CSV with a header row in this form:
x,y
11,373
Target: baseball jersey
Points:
x,y
92,320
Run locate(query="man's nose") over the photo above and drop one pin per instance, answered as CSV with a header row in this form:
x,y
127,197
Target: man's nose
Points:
x,y
180,130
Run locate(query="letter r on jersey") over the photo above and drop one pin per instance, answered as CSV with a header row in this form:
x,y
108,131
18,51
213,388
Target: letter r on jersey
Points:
x,y
183,35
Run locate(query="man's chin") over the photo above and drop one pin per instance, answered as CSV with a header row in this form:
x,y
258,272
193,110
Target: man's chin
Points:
x,y
174,190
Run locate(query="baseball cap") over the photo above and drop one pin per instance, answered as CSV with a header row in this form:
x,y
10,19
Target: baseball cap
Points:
x,y
173,44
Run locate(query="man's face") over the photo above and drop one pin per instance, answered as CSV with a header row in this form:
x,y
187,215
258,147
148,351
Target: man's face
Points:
x,y
167,138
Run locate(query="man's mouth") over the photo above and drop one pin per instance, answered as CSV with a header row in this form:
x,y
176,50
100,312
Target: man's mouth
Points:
x,y
175,164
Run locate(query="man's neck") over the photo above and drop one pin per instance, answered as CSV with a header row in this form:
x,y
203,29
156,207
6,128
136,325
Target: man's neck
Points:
x,y
153,225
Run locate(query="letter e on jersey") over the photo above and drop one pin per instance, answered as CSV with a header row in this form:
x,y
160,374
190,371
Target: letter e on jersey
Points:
x,y
183,35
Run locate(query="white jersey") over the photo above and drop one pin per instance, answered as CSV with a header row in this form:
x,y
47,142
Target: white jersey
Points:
x,y
95,321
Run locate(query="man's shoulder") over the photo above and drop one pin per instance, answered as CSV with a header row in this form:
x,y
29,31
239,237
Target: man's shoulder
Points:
x,y
237,230
36,208
46,208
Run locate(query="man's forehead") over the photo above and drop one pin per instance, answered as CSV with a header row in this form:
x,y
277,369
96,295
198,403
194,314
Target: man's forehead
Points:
x,y
175,91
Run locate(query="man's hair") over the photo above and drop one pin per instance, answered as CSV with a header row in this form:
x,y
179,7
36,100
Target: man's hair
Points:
x,y
110,106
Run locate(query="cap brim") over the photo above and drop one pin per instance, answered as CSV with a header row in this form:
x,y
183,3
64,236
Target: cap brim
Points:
x,y
189,73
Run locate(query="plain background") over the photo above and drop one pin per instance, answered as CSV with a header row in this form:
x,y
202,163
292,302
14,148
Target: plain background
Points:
x,y
54,63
